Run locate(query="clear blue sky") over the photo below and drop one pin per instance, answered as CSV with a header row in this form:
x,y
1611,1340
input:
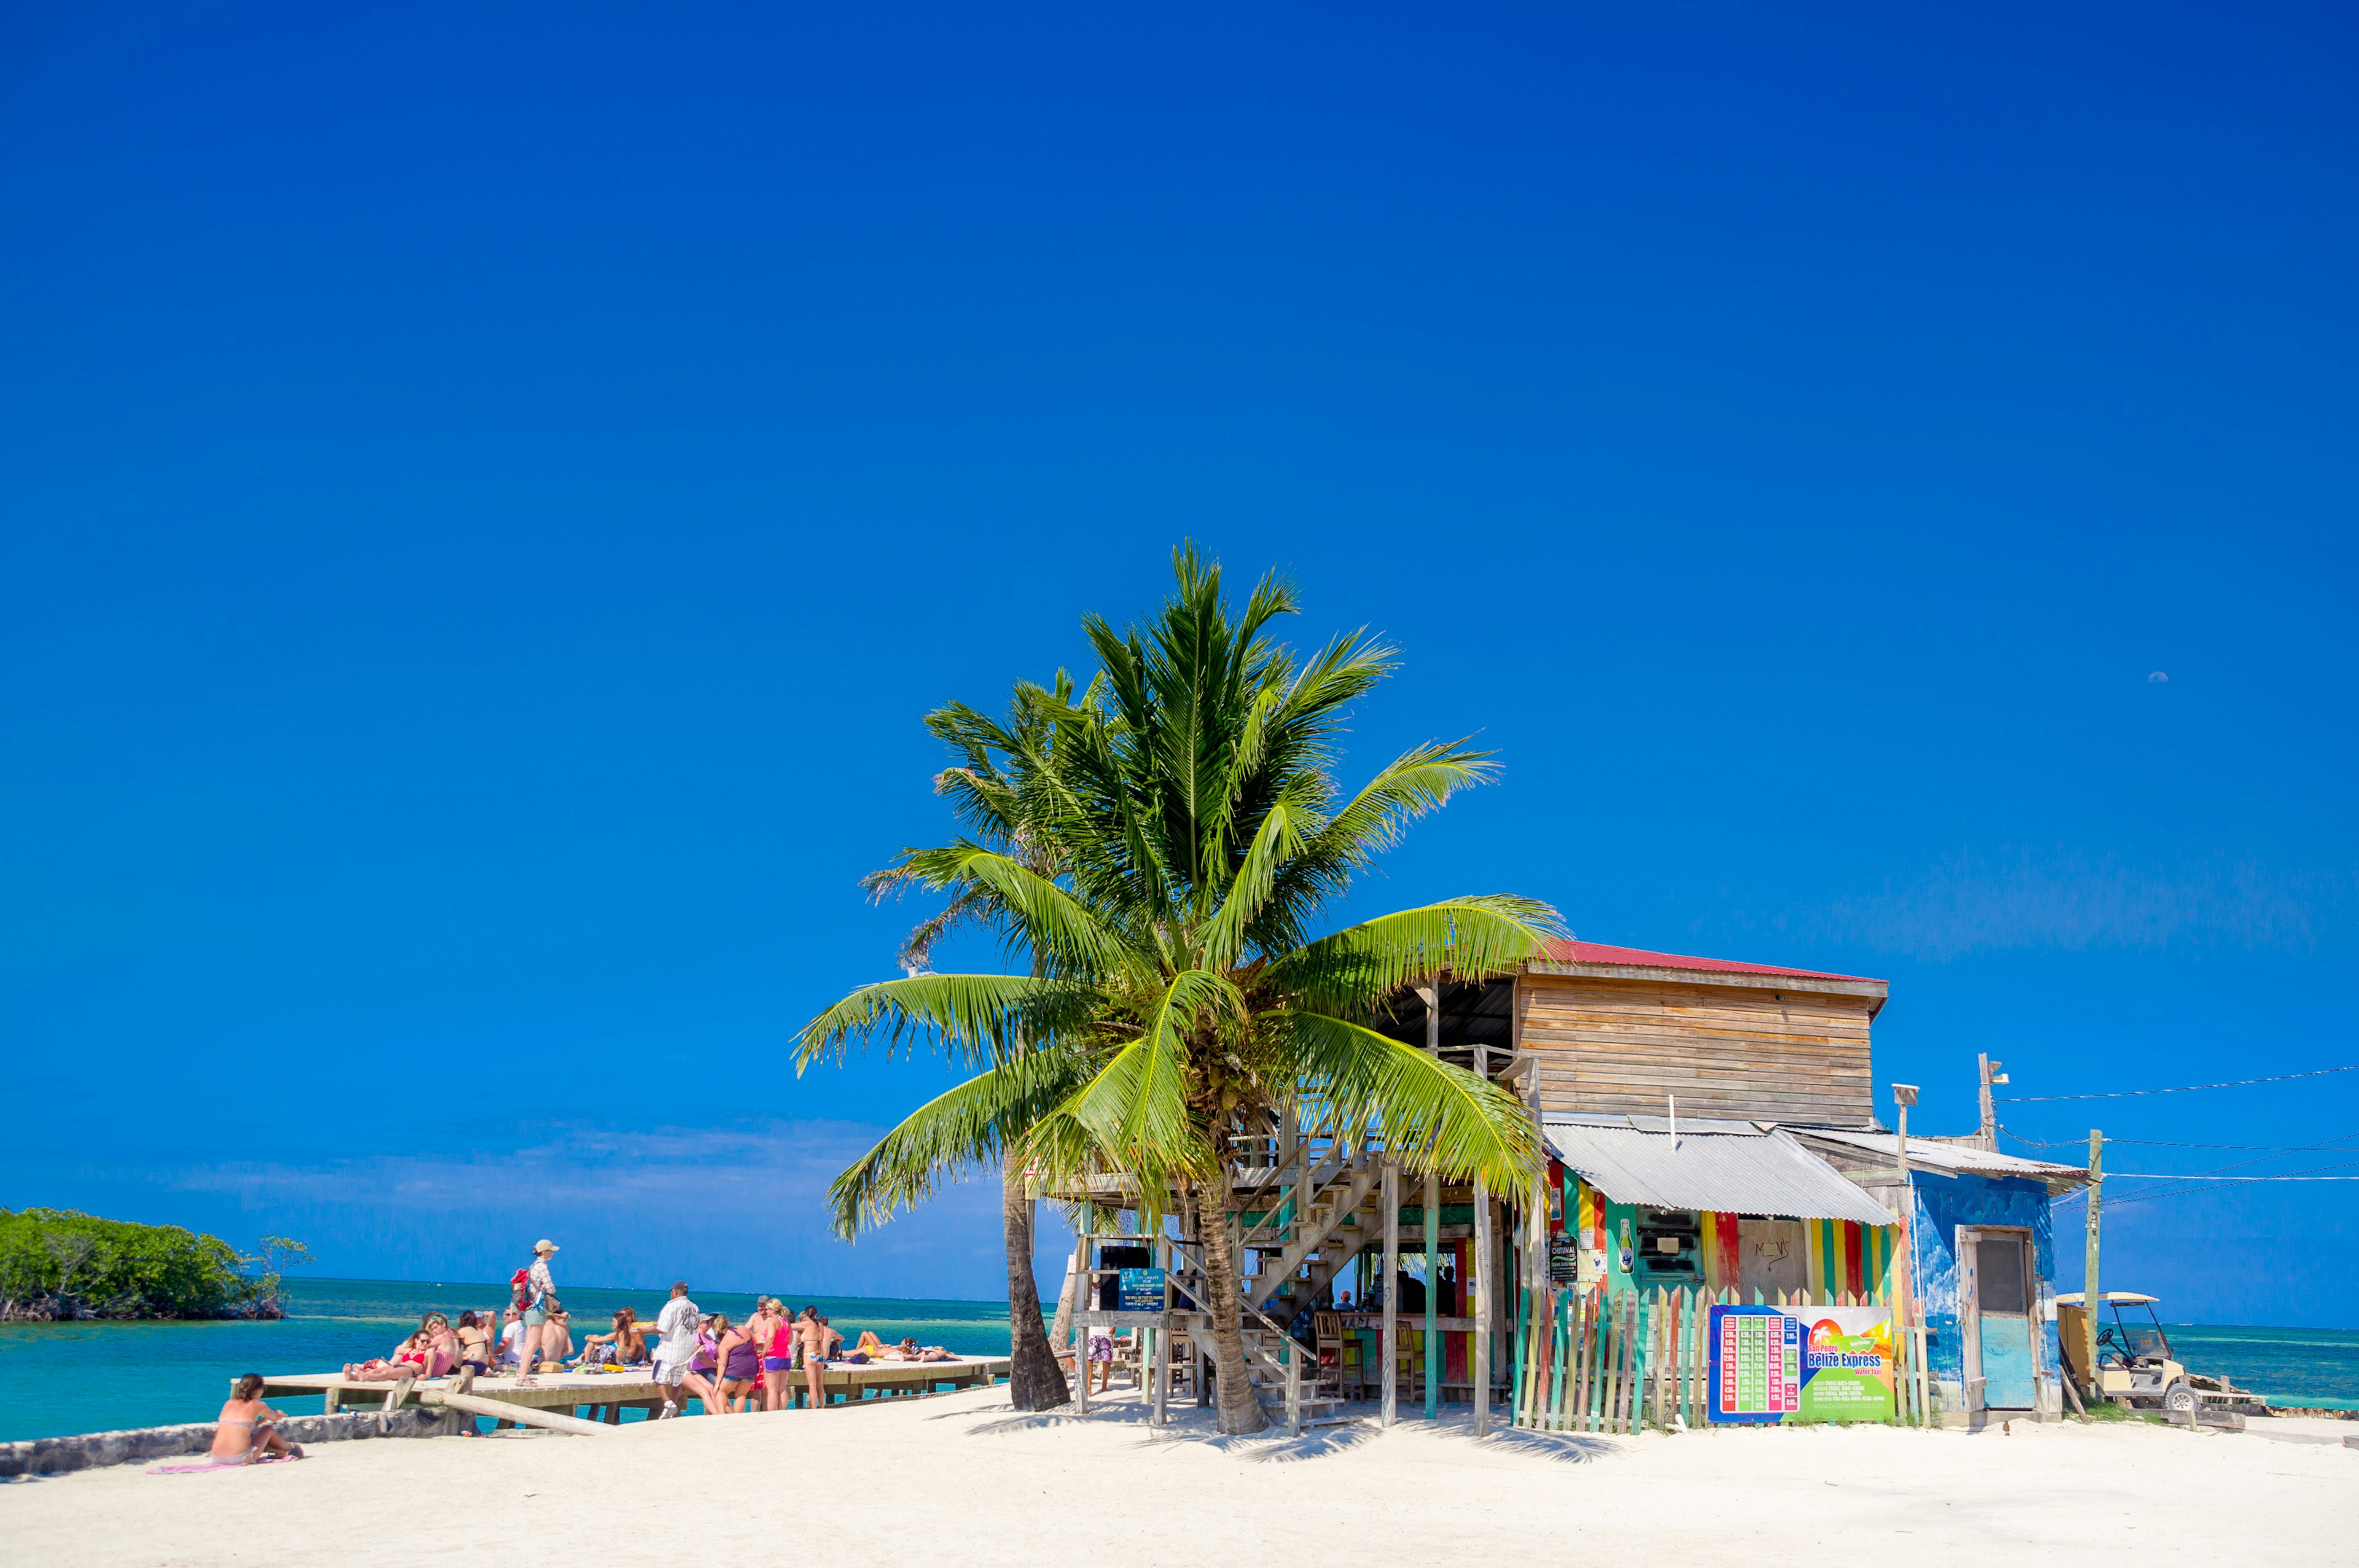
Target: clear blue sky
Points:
x,y
484,499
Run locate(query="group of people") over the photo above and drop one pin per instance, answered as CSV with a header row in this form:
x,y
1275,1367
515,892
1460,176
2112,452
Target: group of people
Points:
x,y
731,1366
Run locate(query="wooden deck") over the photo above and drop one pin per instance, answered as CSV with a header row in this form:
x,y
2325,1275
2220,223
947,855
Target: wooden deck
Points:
x,y
607,1394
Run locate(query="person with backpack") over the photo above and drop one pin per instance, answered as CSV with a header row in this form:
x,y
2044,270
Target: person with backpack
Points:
x,y
535,1290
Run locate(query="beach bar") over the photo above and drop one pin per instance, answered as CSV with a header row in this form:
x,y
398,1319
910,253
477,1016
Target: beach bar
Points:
x,y
1726,1233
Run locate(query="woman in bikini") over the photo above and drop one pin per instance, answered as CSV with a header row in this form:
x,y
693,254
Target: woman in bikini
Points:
x,y
441,1346
810,1336
474,1344
409,1361
241,1435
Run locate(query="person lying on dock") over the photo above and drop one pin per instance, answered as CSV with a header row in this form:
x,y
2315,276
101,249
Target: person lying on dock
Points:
x,y
910,1350
409,1361
241,1435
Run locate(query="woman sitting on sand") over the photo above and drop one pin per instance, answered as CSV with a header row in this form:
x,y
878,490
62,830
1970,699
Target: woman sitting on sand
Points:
x,y
241,1435
408,1361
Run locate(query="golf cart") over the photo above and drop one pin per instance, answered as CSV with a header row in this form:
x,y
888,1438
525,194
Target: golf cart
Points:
x,y
2135,1367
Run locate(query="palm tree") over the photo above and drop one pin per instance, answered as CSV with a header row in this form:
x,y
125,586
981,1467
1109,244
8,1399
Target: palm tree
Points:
x,y
1176,986
999,787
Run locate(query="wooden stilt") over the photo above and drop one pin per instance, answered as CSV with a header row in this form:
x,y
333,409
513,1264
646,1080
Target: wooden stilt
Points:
x,y
1390,1187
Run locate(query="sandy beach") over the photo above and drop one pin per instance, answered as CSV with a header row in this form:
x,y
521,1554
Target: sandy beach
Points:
x,y
963,1478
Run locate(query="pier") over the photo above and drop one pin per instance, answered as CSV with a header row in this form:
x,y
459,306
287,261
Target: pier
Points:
x,y
557,1401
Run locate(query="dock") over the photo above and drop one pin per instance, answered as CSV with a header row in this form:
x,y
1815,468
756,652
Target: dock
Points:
x,y
582,1401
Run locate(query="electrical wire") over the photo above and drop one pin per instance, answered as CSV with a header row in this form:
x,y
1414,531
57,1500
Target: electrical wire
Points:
x,y
2196,1181
2182,1089
2166,1143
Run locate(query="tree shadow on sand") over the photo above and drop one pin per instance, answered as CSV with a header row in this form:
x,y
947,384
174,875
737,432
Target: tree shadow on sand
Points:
x,y
1194,1424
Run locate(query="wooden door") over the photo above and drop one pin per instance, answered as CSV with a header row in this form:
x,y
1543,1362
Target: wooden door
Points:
x,y
2002,1305
1772,1255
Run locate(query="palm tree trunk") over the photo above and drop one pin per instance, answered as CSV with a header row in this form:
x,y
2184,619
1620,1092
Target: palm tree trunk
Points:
x,y
1034,1382
1240,1412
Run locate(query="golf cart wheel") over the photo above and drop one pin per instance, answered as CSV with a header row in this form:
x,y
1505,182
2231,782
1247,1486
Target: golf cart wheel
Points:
x,y
2180,1398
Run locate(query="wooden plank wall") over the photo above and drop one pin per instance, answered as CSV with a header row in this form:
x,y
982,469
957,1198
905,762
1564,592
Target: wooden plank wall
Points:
x,y
1620,1046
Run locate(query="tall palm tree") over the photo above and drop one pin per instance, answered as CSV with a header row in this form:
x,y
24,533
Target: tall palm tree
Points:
x,y
1177,986
1000,790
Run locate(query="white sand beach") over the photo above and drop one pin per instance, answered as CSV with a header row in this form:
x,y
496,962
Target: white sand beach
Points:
x,y
961,1479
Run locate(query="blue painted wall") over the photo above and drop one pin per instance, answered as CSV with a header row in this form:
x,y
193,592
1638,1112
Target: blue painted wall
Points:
x,y
1941,1205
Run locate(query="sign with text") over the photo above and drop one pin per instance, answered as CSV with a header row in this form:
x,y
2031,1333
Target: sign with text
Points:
x,y
1142,1290
1801,1364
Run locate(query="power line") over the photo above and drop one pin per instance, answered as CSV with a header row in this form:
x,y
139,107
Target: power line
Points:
x,y
2166,1143
2182,1089
2199,1180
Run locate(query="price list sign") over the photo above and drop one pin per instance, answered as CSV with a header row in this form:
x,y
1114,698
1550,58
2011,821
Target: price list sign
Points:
x,y
1756,1363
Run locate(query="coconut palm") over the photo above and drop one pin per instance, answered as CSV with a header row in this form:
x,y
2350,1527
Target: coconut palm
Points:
x,y
1179,992
998,788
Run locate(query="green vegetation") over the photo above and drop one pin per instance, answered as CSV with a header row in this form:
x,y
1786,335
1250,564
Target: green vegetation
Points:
x,y
1158,850
59,1263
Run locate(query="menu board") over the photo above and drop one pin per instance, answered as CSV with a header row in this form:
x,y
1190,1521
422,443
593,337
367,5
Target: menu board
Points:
x,y
1801,1364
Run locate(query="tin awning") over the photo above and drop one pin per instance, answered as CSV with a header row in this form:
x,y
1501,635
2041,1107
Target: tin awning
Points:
x,y
1734,1167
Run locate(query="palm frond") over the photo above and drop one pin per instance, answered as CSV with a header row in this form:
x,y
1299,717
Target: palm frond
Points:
x,y
1473,937
973,1017
1437,1117
964,1129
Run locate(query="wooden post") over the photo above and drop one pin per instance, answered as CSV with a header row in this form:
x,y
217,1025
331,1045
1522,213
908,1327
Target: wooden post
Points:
x,y
1294,1393
1389,1184
1433,1362
1084,1302
1162,1416
2088,1299
1479,1362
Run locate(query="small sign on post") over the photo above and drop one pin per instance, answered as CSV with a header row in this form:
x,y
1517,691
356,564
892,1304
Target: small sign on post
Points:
x,y
1142,1290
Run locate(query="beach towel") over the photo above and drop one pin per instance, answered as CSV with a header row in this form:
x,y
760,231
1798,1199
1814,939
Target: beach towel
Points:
x,y
241,1464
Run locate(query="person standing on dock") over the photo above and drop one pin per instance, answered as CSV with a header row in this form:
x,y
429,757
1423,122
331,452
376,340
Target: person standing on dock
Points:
x,y
541,1297
676,1348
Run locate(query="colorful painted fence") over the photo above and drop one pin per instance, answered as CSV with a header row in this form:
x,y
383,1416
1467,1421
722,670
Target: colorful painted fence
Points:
x,y
1593,1361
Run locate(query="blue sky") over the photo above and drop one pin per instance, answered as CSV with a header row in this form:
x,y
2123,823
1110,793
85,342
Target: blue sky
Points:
x,y
486,496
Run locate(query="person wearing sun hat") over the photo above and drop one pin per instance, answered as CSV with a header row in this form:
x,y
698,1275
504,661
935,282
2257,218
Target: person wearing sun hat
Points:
x,y
540,1299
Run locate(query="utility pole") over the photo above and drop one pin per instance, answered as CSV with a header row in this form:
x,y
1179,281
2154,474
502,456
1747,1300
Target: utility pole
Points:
x,y
2088,1287
1904,1096
1991,1075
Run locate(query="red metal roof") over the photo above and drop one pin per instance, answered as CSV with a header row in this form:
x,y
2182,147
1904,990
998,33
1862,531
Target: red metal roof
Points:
x,y
1639,957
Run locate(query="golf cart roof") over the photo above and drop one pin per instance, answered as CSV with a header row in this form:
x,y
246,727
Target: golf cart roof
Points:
x,y
2131,1297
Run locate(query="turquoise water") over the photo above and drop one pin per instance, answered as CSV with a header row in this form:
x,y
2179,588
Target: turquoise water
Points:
x,y
2315,1367
63,1378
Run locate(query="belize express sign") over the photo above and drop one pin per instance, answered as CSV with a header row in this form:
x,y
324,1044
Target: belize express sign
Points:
x,y
1801,1364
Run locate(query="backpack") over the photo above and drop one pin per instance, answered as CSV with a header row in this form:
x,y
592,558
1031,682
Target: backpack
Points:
x,y
521,1289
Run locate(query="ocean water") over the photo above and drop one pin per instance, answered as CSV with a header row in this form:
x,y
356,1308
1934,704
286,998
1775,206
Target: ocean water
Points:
x,y
2314,1366
62,1378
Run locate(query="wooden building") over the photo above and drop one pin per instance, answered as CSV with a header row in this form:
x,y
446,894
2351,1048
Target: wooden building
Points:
x,y
1676,1094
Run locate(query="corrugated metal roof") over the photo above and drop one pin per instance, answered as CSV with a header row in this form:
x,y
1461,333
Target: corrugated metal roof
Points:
x,y
1957,1159
1729,1173
1571,952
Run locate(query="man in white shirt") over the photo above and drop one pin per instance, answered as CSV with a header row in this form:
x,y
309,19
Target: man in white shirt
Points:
x,y
676,1347
512,1338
